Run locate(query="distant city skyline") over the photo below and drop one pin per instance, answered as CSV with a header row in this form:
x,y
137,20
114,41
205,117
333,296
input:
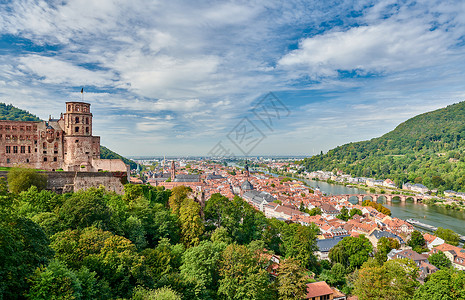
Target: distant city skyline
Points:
x,y
177,78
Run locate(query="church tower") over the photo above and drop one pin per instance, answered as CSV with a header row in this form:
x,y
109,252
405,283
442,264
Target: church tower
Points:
x,y
79,144
173,170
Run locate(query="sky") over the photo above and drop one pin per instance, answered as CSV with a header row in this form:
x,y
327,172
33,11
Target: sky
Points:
x,y
226,78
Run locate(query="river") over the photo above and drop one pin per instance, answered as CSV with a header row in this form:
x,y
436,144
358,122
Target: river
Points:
x,y
432,215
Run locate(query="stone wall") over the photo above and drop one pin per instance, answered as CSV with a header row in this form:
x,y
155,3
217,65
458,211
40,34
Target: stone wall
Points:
x,y
65,182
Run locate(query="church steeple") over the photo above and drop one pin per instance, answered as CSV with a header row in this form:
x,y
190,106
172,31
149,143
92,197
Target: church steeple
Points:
x,y
246,168
173,170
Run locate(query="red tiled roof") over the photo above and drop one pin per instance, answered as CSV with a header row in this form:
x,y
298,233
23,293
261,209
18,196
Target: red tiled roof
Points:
x,y
316,289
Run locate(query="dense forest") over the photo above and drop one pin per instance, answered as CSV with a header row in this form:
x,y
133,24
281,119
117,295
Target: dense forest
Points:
x,y
9,112
428,149
152,243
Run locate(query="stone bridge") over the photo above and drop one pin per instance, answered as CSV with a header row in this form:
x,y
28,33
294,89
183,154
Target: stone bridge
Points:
x,y
383,197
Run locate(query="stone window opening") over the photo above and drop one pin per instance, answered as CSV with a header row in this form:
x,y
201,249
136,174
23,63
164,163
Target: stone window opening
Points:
x,y
87,129
87,121
44,145
77,120
76,129
15,149
7,160
55,159
29,149
23,149
8,149
45,159
27,160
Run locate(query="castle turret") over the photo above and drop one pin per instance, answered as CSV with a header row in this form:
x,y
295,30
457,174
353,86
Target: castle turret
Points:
x,y
78,119
80,146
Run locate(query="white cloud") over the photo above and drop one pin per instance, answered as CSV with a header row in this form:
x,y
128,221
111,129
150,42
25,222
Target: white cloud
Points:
x,y
386,47
51,70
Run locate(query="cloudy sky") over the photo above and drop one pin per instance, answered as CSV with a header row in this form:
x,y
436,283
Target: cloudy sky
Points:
x,y
183,77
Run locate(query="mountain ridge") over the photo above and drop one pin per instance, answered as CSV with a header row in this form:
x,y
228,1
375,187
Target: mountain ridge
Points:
x,y
428,148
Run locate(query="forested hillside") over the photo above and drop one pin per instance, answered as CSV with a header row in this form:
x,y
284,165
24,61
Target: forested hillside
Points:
x,y
428,149
149,243
9,112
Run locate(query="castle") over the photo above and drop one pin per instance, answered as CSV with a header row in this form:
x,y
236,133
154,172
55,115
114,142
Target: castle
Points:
x,y
57,144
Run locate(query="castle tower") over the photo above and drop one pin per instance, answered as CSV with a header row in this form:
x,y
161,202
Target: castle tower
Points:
x,y
79,144
173,170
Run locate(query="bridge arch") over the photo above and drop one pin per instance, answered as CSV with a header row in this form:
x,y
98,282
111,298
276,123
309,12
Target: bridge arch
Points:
x,y
368,197
396,199
353,199
381,199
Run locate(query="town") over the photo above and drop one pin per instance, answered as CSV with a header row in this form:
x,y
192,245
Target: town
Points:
x,y
291,200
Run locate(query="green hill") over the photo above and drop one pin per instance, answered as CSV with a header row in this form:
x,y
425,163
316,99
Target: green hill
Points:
x,y
9,112
428,149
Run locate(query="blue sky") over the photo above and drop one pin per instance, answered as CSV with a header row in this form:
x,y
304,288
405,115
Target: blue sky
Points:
x,y
175,77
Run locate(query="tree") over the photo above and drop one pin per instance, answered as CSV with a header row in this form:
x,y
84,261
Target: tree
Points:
x,y
315,211
55,282
164,293
448,236
300,243
242,275
396,279
178,195
86,208
336,276
351,252
417,241
191,223
384,246
114,258
292,279
21,179
439,260
200,267
355,211
446,284
23,248
218,210
344,215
